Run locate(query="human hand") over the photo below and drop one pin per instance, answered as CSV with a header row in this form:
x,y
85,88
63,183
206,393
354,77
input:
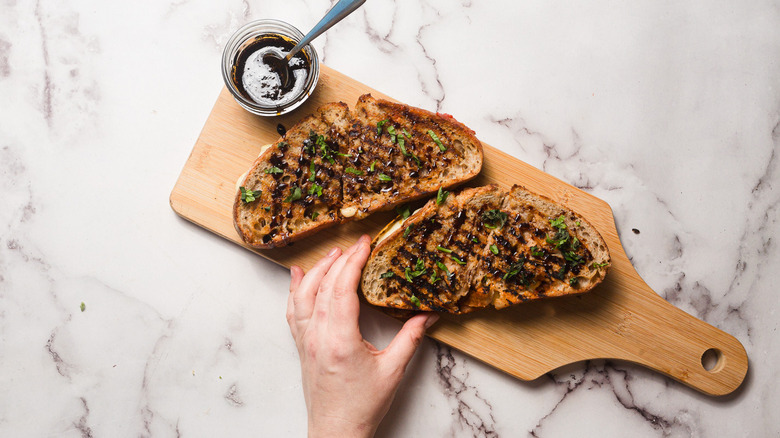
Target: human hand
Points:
x,y
348,384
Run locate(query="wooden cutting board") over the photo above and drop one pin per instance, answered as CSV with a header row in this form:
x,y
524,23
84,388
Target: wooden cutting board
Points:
x,y
621,319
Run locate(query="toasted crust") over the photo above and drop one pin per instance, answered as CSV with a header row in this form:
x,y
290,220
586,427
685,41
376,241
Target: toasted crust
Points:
x,y
540,249
352,162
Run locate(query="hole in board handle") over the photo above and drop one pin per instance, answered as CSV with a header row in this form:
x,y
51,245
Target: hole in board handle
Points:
x,y
712,360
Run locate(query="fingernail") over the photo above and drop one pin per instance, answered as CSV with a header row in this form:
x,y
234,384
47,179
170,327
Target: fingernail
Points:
x,y
432,318
333,252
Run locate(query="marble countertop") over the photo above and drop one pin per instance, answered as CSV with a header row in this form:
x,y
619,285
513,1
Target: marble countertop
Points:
x,y
669,111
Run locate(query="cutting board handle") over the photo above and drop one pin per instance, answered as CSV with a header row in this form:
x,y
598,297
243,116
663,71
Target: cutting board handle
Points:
x,y
677,344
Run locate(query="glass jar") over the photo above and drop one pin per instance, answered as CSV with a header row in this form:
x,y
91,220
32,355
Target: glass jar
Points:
x,y
252,38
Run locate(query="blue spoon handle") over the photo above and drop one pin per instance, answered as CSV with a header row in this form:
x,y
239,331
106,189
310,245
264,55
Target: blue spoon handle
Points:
x,y
336,14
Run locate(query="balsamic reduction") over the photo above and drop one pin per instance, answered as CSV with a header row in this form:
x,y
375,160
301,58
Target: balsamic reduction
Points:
x,y
258,72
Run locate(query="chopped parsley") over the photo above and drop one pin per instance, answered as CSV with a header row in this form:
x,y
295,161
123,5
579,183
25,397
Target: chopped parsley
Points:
x,y
83,306
340,154
373,166
419,269
494,249
558,223
249,195
595,265
441,197
537,252
516,270
353,171
379,126
273,170
437,141
312,171
324,149
295,194
308,144
315,189
407,231
442,266
494,219
387,274
457,260
314,215
415,301
403,211
391,131
443,249
573,281
384,178
406,133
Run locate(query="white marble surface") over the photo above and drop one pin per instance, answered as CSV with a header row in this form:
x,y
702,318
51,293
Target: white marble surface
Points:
x,y
669,111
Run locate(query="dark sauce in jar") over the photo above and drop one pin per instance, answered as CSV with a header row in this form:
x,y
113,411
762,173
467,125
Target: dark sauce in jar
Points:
x,y
256,70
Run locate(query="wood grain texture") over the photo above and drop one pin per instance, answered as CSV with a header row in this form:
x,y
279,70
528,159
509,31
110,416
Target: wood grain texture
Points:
x,y
621,319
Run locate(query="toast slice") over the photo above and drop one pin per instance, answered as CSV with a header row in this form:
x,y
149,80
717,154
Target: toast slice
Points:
x,y
337,165
401,153
295,185
509,247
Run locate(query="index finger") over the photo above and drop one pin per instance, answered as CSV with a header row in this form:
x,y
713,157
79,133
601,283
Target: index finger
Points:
x,y
345,306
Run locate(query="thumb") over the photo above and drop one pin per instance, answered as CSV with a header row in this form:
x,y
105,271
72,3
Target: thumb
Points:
x,y
401,349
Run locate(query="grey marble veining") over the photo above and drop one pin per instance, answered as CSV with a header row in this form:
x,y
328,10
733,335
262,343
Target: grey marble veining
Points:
x,y
668,111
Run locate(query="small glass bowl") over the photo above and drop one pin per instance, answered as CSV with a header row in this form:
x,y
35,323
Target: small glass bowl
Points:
x,y
242,38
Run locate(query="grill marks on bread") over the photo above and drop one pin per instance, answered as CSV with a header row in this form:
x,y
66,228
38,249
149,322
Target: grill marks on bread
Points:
x,y
337,165
522,255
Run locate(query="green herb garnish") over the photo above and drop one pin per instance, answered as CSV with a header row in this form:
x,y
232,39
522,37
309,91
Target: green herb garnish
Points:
x,y
407,231
372,166
443,249
595,265
315,189
515,269
379,126
494,219
249,195
573,281
387,274
406,133
418,271
343,155
403,211
314,215
415,301
391,131
83,306
558,223
384,178
494,249
273,170
457,260
536,251
437,141
353,171
312,171
295,194
442,266
441,197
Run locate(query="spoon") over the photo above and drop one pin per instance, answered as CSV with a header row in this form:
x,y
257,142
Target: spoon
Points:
x,y
336,14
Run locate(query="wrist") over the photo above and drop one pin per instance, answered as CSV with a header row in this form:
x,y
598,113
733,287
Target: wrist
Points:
x,y
340,428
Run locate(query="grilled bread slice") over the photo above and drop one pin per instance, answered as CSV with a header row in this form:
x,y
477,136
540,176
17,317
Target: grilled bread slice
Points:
x,y
294,187
400,153
483,247
338,165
